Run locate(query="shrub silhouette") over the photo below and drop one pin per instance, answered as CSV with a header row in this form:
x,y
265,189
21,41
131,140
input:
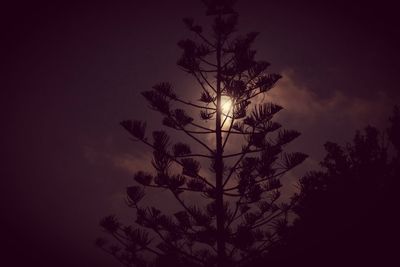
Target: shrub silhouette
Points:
x,y
346,213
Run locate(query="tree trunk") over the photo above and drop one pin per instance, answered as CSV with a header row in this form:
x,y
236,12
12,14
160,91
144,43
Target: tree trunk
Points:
x,y
219,169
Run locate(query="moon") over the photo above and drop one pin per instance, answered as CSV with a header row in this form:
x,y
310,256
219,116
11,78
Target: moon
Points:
x,y
226,105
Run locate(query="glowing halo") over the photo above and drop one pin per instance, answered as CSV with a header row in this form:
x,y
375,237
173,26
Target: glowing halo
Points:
x,y
226,105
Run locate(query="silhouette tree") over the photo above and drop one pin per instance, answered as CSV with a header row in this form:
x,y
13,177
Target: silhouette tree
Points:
x,y
243,211
346,212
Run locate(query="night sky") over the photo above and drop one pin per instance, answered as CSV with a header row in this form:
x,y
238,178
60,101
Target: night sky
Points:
x,y
71,72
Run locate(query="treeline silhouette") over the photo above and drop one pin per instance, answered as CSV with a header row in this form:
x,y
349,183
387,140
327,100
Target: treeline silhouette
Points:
x,y
347,213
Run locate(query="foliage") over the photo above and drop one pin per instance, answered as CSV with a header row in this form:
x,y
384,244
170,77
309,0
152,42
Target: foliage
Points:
x,y
346,212
243,214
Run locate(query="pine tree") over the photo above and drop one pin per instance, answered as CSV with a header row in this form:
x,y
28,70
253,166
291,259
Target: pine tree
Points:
x,y
244,212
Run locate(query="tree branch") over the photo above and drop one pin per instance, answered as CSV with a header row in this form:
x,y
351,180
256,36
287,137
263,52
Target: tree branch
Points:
x,y
229,131
206,40
193,105
172,245
175,160
260,181
243,152
208,83
235,165
197,140
207,62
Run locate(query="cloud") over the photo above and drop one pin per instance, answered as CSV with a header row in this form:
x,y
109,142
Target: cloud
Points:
x,y
109,154
304,106
321,119
130,163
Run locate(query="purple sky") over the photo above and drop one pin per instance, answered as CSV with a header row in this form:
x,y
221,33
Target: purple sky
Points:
x,y
71,72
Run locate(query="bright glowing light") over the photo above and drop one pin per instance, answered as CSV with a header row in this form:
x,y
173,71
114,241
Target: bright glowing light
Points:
x,y
226,104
